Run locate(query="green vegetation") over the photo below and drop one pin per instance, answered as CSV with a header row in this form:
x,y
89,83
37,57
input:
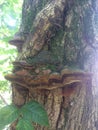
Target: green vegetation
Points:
x,y
10,12
24,116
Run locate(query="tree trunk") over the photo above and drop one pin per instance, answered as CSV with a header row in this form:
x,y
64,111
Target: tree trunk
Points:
x,y
56,45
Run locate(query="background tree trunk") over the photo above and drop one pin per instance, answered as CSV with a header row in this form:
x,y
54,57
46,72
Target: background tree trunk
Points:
x,y
56,45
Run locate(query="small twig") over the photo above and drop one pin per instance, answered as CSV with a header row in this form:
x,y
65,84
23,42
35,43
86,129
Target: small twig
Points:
x,y
3,99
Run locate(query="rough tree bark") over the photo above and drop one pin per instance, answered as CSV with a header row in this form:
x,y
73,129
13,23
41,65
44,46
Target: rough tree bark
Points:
x,y
56,46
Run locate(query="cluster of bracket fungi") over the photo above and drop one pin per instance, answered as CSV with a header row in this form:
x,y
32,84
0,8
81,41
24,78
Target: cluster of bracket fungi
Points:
x,y
45,79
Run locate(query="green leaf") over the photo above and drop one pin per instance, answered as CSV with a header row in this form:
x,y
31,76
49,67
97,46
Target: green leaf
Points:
x,y
24,125
35,112
8,114
26,114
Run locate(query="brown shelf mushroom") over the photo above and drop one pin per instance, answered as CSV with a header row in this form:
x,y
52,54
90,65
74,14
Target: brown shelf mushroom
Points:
x,y
17,41
48,81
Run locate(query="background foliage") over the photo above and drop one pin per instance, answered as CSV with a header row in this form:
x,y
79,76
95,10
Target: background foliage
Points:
x,y
10,17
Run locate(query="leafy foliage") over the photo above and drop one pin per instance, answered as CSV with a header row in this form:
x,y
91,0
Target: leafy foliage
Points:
x,y
30,112
36,113
24,125
8,114
10,14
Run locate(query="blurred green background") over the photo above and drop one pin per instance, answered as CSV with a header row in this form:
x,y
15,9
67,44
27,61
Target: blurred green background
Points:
x,y
10,17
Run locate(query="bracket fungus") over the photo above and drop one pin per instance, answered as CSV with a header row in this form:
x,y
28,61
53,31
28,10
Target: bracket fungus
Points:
x,y
30,78
18,41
